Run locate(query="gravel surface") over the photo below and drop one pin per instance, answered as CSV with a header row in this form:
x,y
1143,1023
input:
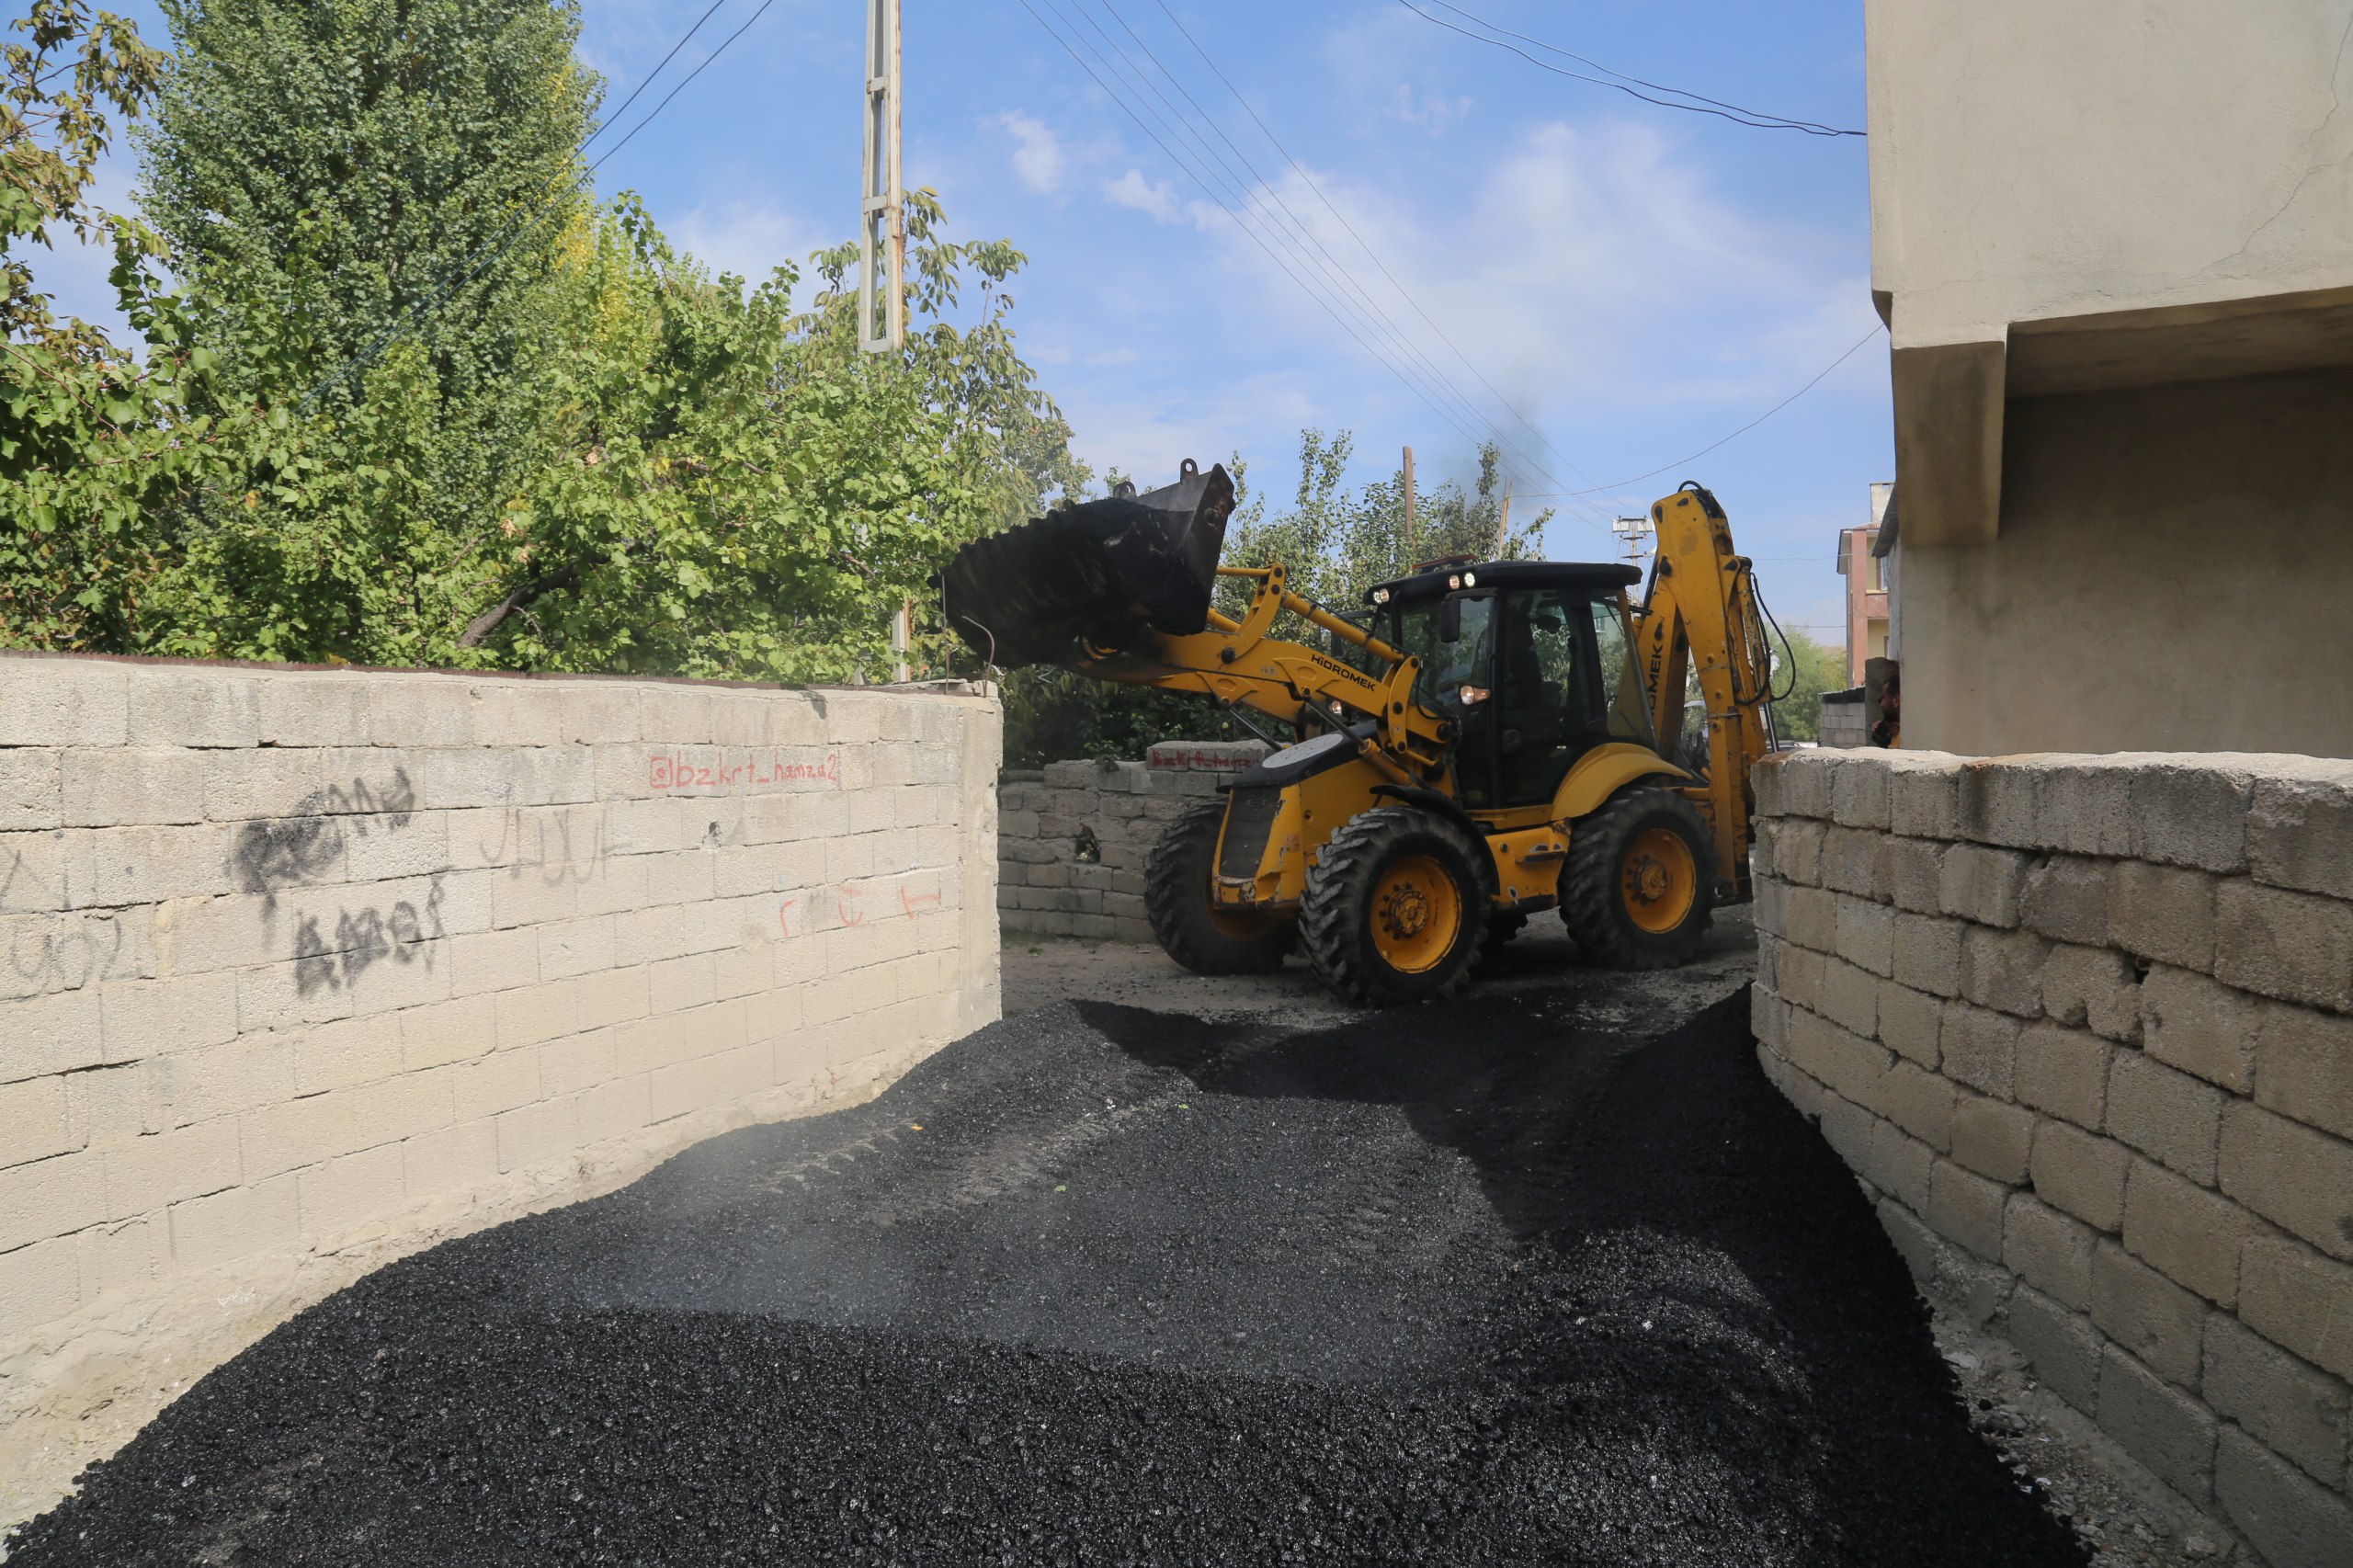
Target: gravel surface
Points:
x,y
1471,1284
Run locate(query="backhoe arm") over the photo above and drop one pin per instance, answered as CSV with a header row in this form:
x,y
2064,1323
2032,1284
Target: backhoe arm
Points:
x,y
1700,615
1237,663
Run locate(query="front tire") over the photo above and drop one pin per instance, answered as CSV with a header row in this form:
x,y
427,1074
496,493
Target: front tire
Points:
x,y
1193,930
1395,909
1635,893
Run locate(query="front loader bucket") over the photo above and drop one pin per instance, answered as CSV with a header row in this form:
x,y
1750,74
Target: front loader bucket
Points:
x,y
1106,571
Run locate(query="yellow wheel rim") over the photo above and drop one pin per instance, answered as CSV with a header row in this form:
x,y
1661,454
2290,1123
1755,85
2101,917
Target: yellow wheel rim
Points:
x,y
1659,881
1416,914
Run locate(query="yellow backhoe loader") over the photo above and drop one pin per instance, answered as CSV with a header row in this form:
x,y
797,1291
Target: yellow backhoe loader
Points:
x,y
1493,739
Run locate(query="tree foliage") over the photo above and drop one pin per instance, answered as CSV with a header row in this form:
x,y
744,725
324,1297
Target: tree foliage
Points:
x,y
1808,669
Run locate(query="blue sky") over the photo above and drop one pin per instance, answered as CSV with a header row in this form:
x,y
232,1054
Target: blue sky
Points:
x,y
1634,282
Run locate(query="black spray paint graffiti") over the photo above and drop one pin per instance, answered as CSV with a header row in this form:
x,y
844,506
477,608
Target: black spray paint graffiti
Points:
x,y
363,938
293,850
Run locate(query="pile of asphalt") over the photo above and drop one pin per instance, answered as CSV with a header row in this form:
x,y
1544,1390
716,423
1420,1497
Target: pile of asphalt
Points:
x,y
1456,1285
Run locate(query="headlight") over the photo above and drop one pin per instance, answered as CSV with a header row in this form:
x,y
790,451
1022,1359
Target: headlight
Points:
x,y
1470,579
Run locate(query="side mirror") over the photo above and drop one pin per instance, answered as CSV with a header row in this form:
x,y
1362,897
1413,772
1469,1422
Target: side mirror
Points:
x,y
1450,620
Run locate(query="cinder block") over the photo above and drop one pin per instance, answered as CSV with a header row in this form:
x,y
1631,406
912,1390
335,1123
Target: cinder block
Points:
x,y
419,711
32,790
1797,852
35,1120
2081,1173
2299,834
2190,1233
50,1198
146,787
310,711
1965,1207
1910,1022
63,702
1866,936
1992,1139
1921,1103
1995,803
1914,1241
1852,862
1980,1049
1858,793
2201,1027
345,1194
535,1137
1982,884
1847,1128
2297,947
2292,1523
118,866
2083,805
2161,1426
2304,1066
2148,1314
1923,795
42,1283
262,783
348,1052
2063,1347
1837,1057
148,1175
2096,988
2296,1298
2190,812
2065,898
2002,970
1810,919
2296,1409
2049,1250
1851,997
2169,1116
1915,874
2292,1175
194,707
57,1033
1897,1165
235,1225
2064,1072
1928,954
2162,913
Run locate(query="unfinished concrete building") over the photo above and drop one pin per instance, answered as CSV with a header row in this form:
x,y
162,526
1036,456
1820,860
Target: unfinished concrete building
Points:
x,y
2113,243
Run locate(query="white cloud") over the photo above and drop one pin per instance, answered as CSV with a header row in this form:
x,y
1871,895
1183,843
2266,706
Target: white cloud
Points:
x,y
751,239
1157,197
1430,114
1038,155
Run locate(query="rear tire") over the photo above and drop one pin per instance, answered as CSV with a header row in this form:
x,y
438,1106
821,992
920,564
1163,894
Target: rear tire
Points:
x,y
1635,890
1395,909
1193,930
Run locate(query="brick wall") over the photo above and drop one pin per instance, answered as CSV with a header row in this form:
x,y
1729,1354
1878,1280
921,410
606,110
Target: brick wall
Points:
x,y
1073,837
2083,1026
300,970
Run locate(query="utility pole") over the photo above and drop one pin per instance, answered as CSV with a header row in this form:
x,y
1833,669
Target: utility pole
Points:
x,y
1503,525
1631,529
883,215
902,628
1409,506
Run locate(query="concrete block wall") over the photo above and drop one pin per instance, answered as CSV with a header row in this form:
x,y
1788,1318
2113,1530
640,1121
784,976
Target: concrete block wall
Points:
x,y
301,970
2082,1026
1074,836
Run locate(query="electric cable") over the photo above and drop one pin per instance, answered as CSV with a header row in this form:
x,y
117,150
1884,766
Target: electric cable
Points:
x,y
1737,117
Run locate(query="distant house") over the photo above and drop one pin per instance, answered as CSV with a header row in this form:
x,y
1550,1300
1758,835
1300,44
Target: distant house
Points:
x,y
1865,570
2113,243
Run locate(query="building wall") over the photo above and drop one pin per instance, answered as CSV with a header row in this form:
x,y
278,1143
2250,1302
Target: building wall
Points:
x,y
1074,836
2175,571
305,970
1866,602
2031,160
2083,1027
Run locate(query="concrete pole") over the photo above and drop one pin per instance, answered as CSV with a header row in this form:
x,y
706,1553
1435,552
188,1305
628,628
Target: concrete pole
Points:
x,y
1409,506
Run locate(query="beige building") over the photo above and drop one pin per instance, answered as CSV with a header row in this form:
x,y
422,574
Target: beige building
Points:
x,y
2113,243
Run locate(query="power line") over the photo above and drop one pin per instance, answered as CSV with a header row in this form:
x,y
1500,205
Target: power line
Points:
x,y
1749,118
1743,430
1301,169
1263,194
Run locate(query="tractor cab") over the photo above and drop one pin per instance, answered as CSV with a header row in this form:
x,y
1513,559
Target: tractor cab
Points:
x,y
1532,662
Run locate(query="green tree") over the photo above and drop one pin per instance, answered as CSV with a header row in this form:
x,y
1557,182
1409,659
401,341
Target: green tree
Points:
x,y
1808,669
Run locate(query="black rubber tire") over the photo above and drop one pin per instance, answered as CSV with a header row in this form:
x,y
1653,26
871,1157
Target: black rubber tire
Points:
x,y
1503,925
1590,905
1176,901
1335,912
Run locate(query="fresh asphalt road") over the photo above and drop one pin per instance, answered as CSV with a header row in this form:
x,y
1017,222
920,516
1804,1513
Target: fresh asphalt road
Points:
x,y
1488,1282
